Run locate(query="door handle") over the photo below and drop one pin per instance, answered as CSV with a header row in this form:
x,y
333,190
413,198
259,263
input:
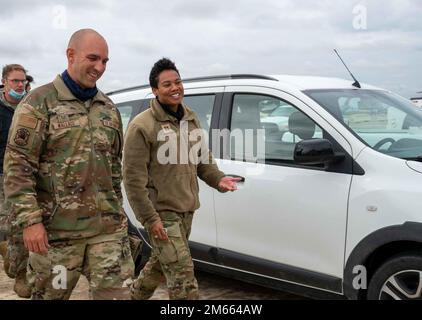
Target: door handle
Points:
x,y
236,176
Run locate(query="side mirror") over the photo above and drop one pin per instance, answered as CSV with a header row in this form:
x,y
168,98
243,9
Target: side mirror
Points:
x,y
316,151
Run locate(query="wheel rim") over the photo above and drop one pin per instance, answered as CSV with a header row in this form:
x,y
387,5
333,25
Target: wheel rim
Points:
x,y
404,285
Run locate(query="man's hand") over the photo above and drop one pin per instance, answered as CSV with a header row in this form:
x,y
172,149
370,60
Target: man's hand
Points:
x,y
158,231
35,238
228,183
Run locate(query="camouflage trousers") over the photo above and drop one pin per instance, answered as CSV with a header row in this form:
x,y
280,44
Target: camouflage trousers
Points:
x,y
108,266
4,226
16,259
170,260
17,255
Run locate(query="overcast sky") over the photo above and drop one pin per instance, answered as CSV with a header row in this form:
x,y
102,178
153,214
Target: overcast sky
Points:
x,y
381,40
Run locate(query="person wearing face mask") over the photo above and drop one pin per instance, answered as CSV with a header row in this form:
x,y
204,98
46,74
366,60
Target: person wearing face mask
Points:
x,y
63,180
15,256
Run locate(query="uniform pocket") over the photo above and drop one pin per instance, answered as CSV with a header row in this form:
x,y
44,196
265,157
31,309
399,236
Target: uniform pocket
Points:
x,y
111,221
178,192
66,128
107,137
168,249
126,262
17,258
62,122
39,271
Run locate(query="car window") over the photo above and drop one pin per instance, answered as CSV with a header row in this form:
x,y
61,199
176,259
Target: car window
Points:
x,y
127,111
283,111
385,122
267,129
202,105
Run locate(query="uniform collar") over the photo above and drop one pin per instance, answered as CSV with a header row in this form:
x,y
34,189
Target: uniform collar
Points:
x,y
64,93
161,115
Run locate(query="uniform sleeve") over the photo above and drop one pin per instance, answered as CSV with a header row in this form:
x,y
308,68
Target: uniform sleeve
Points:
x,y
116,165
136,160
208,171
21,163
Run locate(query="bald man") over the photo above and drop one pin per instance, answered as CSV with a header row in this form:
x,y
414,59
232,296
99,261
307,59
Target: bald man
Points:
x,y
62,179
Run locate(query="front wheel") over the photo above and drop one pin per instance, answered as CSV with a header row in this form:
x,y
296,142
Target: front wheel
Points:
x,y
400,278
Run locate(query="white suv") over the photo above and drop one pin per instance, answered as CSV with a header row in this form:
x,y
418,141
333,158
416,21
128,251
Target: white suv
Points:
x,y
330,205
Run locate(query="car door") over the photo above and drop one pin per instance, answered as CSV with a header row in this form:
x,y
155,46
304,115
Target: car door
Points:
x,y
128,110
285,214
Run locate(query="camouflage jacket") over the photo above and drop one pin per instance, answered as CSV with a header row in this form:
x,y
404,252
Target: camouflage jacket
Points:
x,y
6,115
153,186
63,164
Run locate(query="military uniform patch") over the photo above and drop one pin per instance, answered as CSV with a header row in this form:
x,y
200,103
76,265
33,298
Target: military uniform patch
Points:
x,y
66,124
27,121
110,124
21,137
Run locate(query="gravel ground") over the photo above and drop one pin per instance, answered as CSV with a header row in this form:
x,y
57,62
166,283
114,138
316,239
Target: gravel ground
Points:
x,y
212,287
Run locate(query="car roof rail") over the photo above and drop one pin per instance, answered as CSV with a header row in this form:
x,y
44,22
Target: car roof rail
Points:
x,y
231,76
208,78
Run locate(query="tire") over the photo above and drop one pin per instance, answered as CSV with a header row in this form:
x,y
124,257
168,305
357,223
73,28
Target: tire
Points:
x,y
400,278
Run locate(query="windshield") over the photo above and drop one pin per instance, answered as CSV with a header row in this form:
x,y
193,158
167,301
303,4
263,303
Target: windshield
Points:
x,y
384,121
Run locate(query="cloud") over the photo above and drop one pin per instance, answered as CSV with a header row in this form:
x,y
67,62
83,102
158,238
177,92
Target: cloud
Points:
x,y
398,40
213,37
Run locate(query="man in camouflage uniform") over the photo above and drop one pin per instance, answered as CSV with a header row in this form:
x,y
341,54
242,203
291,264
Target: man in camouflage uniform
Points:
x,y
15,256
63,176
163,195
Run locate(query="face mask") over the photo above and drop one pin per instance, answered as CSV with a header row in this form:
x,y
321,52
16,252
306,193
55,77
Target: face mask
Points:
x,y
15,95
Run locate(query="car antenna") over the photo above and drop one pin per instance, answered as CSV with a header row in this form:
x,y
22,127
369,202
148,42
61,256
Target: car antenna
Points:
x,y
356,83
